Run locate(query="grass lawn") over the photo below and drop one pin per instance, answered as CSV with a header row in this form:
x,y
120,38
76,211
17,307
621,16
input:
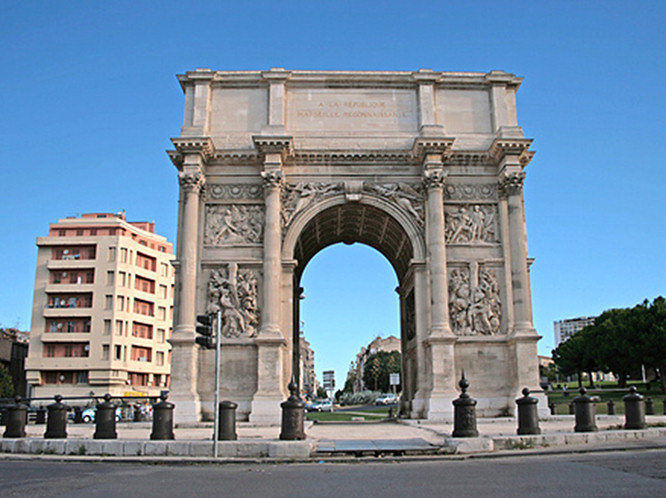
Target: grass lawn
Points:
x,y
375,413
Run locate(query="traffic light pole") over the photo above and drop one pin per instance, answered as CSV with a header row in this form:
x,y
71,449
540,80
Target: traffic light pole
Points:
x,y
216,409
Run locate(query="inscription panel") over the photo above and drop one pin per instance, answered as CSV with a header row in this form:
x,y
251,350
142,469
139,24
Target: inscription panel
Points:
x,y
352,110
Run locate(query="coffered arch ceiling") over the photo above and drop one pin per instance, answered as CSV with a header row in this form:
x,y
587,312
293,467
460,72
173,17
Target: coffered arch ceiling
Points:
x,y
350,223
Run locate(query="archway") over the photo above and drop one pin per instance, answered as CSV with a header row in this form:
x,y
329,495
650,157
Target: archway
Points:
x,y
375,222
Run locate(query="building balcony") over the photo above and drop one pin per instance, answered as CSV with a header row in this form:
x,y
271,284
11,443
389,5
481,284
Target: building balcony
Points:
x,y
67,312
48,337
60,363
69,264
68,287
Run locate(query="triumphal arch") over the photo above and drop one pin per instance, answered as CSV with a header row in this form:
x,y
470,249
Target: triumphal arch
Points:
x,y
425,166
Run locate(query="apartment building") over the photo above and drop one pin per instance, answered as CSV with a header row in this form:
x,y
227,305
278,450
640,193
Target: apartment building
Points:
x,y
566,328
102,308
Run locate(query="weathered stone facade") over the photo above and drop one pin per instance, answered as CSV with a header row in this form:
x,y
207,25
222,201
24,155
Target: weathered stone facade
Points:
x,y
426,167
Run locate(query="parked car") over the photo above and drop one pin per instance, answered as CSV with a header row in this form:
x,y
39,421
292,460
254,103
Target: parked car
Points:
x,y
88,415
386,399
325,405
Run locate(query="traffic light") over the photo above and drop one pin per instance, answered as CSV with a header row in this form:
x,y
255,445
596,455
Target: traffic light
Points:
x,y
205,335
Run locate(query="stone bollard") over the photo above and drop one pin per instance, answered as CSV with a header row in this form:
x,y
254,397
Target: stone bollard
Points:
x,y
162,419
16,418
611,407
649,407
227,421
664,407
293,416
528,417
571,408
105,419
634,410
56,425
585,411
464,412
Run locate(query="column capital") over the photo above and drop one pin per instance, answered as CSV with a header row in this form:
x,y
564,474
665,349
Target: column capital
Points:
x,y
272,179
434,178
510,183
191,181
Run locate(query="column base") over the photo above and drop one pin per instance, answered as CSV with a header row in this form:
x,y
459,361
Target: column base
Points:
x,y
266,411
186,411
440,407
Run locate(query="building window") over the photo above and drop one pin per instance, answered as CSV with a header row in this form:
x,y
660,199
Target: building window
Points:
x,y
121,303
159,358
108,302
82,377
70,326
121,278
50,350
118,351
105,351
107,327
119,327
112,253
109,278
123,255
164,269
163,292
160,336
161,313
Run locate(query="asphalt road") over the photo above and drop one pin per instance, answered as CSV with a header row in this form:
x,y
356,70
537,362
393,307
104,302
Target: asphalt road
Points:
x,y
627,473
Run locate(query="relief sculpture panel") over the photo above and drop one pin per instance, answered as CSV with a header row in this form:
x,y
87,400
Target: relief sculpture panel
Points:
x,y
233,224
475,307
409,198
471,224
296,197
235,292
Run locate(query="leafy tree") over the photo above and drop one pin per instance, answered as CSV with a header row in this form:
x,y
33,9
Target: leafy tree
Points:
x,y
652,336
378,367
321,393
6,385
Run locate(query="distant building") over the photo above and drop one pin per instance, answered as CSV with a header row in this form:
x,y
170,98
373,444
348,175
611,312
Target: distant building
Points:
x,y
309,382
13,351
566,328
102,309
391,343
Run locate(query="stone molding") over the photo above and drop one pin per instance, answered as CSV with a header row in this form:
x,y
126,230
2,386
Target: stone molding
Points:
x,y
502,147
273,144
233,191
471,192
431,145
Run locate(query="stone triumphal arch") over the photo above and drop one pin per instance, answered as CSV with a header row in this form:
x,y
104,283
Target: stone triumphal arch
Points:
x,y
426,167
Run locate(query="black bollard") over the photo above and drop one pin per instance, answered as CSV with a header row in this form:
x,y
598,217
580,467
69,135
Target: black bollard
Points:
x,y
634,410
293,415
16,418
162,419
649,407
552,408
585,411
611,407
41,416
464,412
78,415
227,421
664,407
571,408
105,419
56,425
528,417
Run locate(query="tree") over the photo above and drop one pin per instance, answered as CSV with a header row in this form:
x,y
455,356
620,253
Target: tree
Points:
x,y
652,336
321,393
6,385
378,367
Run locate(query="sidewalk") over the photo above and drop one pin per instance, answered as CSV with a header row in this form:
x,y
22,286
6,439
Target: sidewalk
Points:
x,y
404,437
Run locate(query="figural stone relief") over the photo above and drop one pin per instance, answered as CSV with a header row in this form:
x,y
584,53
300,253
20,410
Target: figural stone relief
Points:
x,y
233,224
409,198
470,224
234,291
475,307
296,197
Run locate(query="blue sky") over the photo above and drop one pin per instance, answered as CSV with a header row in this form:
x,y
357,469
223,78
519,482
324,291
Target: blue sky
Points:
x,y
90,101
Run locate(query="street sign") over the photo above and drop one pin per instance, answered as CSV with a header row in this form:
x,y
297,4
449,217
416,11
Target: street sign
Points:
x,y
329,379
394,379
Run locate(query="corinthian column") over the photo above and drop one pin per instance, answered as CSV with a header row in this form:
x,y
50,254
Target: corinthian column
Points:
x,y
270,326
184,357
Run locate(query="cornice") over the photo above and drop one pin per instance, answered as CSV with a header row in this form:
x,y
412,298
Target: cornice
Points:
x,y
352,156
274,144
502,147
195,145
431,145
